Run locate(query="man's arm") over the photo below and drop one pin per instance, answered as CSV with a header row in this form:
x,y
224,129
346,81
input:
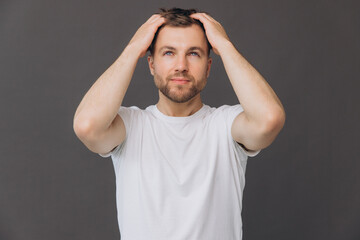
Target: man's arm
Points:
x,y
96,122
263,116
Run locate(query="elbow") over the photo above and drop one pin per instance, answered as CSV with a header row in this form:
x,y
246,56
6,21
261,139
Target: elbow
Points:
x,y
83,129
90,135
274,122
271,128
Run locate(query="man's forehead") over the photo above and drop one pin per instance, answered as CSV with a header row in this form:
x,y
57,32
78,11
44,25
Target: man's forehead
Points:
x,y
188,36
179,29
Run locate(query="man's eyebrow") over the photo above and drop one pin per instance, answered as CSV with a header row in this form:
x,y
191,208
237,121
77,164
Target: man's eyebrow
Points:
x,y
166,47
190,49
197,48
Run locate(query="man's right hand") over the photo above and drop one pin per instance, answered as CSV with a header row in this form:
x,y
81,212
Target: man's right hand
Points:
x,y
145,34
96,121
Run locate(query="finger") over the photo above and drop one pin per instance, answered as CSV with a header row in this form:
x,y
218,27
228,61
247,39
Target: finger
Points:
x,y
153,18
155,25
200,17
203,17
209,18
156,22
197,16
159,21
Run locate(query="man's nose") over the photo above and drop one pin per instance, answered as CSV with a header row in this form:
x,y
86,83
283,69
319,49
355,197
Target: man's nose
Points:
x,y
181,64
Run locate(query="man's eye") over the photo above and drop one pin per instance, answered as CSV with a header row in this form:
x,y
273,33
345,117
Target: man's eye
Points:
x,y
194,54
168,53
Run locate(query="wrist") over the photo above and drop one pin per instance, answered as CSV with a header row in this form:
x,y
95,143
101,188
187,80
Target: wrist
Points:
x,y
225,48
132,51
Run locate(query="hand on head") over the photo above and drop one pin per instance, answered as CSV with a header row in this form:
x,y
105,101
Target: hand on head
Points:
x,y
145,34
214,31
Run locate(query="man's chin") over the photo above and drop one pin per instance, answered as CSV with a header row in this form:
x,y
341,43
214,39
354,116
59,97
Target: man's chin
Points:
x,y
181,98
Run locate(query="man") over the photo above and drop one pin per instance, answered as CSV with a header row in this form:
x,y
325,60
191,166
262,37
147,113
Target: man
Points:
x,y
179,164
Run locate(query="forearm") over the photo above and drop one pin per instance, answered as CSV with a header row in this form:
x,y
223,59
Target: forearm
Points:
x,y
258,99
101,103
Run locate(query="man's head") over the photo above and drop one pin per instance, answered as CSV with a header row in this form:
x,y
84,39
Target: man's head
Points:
x,y
177,17
179,59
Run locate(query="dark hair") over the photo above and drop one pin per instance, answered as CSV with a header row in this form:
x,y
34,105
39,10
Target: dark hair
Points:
x,y
177,17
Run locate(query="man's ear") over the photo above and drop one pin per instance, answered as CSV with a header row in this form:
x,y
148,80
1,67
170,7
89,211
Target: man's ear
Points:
x,y
151,64
208,67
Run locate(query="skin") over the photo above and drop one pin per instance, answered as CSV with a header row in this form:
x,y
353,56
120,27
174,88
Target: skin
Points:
x,y
101,129
263,116
180,54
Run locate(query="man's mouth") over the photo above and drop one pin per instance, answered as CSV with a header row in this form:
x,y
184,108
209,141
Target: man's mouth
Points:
x,y
180,80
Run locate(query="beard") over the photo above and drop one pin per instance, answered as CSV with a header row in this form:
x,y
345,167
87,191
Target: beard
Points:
x,y
179,93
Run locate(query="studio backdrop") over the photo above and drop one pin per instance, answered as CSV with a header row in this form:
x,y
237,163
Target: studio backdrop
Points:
x,y
304,186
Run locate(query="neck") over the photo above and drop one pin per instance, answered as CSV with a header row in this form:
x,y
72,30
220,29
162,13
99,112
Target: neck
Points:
x,y
174,109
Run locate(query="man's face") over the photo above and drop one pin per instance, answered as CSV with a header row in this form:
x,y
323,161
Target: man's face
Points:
x,y
180,64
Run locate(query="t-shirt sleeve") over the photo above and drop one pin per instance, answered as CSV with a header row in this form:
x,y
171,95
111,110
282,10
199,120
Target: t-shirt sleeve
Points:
x,y
231,112
126,114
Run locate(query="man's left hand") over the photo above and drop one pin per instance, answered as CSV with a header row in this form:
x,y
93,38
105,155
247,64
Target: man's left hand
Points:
x,y
214,31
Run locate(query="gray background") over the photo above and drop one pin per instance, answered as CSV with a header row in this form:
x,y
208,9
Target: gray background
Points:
x,y
304,186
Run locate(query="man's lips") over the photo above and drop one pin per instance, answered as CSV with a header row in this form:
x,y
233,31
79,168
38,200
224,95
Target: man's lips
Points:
x,y
180,80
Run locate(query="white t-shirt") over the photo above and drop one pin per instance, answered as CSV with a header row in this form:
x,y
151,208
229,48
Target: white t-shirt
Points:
x,y
179,178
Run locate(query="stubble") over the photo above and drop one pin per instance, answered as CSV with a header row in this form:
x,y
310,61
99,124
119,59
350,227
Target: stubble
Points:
x,y
176,92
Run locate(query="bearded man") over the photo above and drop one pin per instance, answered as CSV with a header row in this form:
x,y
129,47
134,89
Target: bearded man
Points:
x,y
179,164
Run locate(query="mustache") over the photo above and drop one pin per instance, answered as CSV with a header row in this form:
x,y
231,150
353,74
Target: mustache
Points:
x,y
180,75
